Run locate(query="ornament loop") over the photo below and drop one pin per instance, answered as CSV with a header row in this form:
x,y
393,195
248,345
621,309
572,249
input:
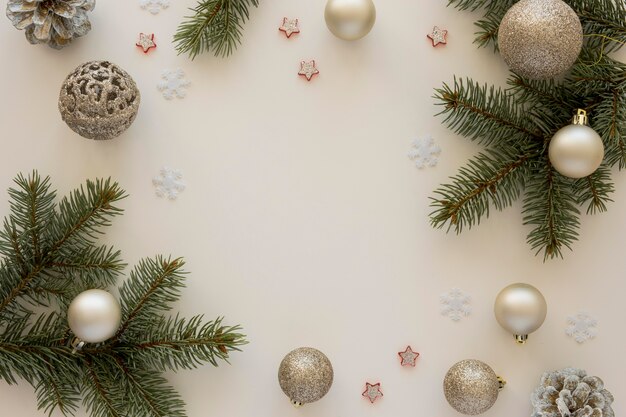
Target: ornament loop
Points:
x,y
580,118
77,345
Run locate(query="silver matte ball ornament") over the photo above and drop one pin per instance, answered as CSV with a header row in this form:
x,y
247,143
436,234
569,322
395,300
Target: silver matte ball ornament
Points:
x,y
350,19
576,150
520,309
540,39
471,387
305,375
94,316
99,100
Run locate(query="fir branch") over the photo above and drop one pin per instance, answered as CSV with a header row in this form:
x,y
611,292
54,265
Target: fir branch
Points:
x,y
215,26
595,190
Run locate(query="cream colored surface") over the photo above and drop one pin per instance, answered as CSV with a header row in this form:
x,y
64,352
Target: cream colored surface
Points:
x,y
303,218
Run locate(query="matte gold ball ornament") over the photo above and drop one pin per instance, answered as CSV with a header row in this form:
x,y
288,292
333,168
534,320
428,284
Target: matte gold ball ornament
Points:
x,y
350,20
576,150
540,39
305,375
471,387
521,309
94,316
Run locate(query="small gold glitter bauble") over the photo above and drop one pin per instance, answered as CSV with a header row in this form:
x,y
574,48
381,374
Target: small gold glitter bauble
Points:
x,y
521,309
471,387
99,100
576,150
350,19
305,375
540,39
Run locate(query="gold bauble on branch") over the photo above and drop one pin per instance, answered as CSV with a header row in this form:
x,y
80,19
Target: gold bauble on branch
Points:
x,y
540,39
305,375
94,316
471,387
576,150
350,19
521,309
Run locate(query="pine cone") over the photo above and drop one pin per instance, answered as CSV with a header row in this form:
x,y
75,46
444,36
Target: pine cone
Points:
x,y
571,393
55,22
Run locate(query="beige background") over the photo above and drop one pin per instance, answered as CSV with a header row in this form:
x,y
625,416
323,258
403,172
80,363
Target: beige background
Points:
x,y
303,218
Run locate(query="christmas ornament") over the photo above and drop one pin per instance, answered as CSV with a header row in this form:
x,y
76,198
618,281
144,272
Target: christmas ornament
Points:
x,y
308,69
305,375
169,183
521,309
455,304
154,6
438,36
289,27
146,42
173,84
571,392
581,327
424,152
94,316
99,100
54,22
471,387
576,150
372,392
540,39
350,19
408,357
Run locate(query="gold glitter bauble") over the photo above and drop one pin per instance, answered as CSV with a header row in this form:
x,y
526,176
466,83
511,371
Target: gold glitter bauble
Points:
x,y
350,19
540,39
305,375
471,387
99,100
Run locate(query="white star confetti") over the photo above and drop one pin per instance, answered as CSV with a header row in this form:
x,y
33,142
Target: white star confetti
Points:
x,y
169,183
438,36
154,6
308,69
289,27
581,327
424,152
174,84
455,304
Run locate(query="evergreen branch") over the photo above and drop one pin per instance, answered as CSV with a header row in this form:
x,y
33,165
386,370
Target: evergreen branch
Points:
x,y
595,190
56,391
98,391
215,26
488,116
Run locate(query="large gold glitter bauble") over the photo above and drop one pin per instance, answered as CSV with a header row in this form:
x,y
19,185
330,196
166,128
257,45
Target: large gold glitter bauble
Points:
x,y
540,39
305,375
350,19
521,309
99,100
471,387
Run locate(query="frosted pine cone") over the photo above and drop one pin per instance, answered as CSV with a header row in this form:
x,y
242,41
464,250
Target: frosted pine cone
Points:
x,y
571,393
55,22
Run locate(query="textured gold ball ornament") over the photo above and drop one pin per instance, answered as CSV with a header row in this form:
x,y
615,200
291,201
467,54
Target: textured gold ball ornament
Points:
x,y
350,19
305,375
576,150
471,387
521,309
99,100
540,39
94,316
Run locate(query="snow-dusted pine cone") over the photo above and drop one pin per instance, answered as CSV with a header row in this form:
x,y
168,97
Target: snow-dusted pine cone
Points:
x,y
55,22
571,393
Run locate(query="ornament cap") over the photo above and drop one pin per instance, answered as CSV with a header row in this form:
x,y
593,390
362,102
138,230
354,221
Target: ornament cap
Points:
x,y
501,383
521,338
296,404
580,118
77,345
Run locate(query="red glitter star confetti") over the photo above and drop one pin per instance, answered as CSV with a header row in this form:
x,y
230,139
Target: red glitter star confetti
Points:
x,y
146,42
308,69
289,27
372,392
408,357
438,36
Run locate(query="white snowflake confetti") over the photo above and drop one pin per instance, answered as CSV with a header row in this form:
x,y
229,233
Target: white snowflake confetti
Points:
x,y
169,183
174,84
154,6
455,304
424,152
581,327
